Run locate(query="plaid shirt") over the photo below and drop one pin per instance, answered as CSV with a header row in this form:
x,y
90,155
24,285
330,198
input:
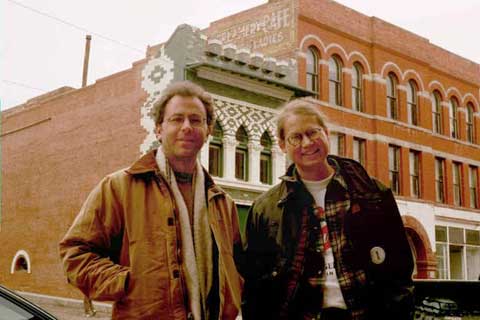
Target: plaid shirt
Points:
x,y
348,277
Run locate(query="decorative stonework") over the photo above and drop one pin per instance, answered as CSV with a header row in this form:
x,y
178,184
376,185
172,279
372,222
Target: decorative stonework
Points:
x,y
232,115
157,74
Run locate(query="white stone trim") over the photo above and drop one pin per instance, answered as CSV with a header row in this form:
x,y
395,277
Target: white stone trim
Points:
x,y
24,254
311,36
387,64
430,85
418,78
429,214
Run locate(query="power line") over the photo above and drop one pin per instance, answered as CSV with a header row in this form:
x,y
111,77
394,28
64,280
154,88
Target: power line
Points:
x,y
14,83
76,26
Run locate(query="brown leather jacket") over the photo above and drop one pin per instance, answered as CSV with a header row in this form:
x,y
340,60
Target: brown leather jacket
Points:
x,y
128,229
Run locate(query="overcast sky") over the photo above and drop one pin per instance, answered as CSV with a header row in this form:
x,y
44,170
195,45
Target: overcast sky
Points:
x,y
39,53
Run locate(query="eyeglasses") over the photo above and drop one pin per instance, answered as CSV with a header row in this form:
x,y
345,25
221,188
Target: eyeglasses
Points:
x,y
313,134
179,119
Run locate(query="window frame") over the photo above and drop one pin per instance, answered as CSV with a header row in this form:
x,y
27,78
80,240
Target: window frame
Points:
x,y
412,102
473,187
215,164
357,87
312,74
453,117
266,159
335,81
470,123
437,115
415,175
457,183
360,150
440,180
241,153
392,96
394,166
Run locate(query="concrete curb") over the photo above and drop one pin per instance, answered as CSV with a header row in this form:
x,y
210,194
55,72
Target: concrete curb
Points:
x,y
42,299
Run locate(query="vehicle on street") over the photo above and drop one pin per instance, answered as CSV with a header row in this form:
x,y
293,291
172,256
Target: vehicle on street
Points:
x,y
15,307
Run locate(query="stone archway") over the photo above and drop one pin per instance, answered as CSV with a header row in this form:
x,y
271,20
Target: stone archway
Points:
x,y
425,260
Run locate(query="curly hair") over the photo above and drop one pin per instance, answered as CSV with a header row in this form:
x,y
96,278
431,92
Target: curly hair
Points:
x,y
183,89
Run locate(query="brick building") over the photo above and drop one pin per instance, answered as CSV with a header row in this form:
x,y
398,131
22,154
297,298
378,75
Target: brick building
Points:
x,y
405,108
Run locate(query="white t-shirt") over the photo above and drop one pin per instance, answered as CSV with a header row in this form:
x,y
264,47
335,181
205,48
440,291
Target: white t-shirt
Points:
x,y
332,294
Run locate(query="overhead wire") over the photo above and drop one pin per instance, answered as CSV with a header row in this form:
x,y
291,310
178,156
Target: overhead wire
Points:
x,y
20,84
76,26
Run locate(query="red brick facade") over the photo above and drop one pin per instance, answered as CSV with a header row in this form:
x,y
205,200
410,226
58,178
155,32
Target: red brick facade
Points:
x,y
53,153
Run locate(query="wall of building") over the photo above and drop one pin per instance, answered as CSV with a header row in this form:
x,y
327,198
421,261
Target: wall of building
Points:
x,y
55,149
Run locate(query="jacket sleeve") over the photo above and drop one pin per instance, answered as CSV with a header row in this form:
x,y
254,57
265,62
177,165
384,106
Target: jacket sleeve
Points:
x,y
257,264
396,291
90,249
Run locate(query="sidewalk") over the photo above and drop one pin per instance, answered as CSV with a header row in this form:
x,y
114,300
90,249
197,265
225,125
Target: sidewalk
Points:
x,y
67,309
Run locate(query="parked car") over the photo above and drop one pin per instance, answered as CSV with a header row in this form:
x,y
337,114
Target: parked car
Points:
x,y
15,307
437,309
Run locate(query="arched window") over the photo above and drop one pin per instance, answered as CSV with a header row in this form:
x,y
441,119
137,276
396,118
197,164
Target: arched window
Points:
x,y
241,154
335,80
215,152
470,124
453,115
392,96
357,88
437,112
312,70
412,103
21,262
266,159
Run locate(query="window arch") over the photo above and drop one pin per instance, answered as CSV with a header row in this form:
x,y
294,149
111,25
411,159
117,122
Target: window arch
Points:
x,y
412,102
357,87
453,117
215,151
335,80
241,154
437,112
266,159
470,123
21,262
392,96
312,70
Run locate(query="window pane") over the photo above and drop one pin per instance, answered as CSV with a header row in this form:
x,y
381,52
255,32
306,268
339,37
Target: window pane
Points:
x,y
439,183
265,168
9,310
441,255
215,160
455,235
312,69
473,263
240,164
359,150
472,185
441,233
414,173
473,237
456,262
457,184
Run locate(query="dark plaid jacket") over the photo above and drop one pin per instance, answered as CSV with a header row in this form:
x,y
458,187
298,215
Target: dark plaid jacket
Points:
x,y
361,214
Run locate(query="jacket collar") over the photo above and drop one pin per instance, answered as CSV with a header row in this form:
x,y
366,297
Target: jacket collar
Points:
x,y
294,183
148,164
144,164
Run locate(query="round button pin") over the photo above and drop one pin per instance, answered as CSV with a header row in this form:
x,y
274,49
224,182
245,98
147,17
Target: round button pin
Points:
x,y
377,254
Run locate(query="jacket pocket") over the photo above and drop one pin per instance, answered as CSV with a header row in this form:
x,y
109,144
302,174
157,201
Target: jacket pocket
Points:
x,y
149,275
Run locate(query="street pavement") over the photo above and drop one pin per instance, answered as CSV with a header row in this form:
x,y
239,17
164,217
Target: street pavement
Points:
x,y
68,309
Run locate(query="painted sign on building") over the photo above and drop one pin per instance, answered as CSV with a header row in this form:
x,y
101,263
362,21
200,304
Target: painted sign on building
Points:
x,y
269,31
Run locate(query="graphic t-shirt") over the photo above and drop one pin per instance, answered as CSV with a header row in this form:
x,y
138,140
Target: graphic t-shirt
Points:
x,y
332,294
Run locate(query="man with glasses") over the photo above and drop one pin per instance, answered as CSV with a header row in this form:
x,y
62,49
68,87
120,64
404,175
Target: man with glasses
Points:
x,y
158,237
328,241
